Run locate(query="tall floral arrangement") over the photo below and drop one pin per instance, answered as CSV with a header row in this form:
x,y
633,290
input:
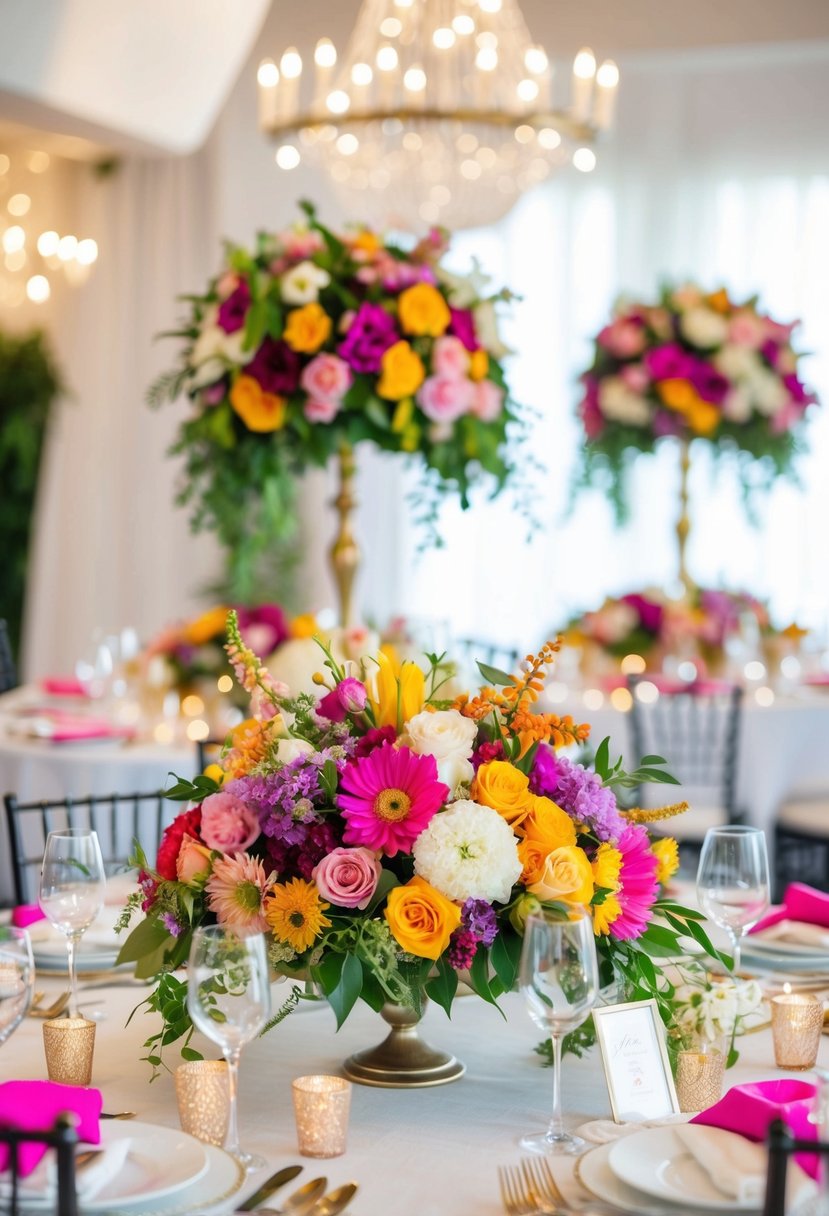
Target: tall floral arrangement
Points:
x,y
313,340
387,839
692,365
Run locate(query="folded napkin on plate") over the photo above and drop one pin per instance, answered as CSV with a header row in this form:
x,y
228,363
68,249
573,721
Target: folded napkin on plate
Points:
x,y
800,903
796,933
749,1109
62,686
91,1179
736,1166
27,914
35,1105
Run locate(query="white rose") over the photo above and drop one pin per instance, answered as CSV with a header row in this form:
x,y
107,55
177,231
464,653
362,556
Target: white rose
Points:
x,y
214,343
737,405
208,373
703,328
737,362
768,393
486,327
455,772
618,402
445,734
289,749
302,285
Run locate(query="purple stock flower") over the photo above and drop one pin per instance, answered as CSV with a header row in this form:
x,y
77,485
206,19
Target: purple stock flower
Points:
x,y
233,310
667,424
669,362
171,924
478,917
276,367
581,794
371,333
298,859
544,772
463,946
462,326
650,613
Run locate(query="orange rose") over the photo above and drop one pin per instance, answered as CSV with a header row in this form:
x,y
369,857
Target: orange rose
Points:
x,y
423,310
307,328
546,828
421,919
260,411
505,788
193,861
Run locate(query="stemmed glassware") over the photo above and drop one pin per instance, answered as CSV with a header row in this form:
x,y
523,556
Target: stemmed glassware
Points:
x,y
559,977
72,887
229,1000
17,978
733,880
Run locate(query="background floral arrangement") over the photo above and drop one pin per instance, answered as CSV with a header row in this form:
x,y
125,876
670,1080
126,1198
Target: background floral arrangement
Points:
x,y
692,366
387,839
708,1013
314,340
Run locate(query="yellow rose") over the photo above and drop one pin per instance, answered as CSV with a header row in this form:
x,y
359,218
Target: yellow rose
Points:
x,y
421,919
260,411
478,365
423,310
307,328
548,824
567,877
205,627
505,788
401,372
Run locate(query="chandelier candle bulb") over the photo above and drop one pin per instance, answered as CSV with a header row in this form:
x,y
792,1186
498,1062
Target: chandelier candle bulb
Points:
x,y
607,82
268,79
584,72
290,70
325,61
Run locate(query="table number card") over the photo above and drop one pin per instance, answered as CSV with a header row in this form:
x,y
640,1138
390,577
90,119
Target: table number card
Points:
x,y
632,1042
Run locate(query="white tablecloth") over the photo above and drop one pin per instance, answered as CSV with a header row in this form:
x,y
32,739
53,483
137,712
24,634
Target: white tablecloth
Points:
x,y
429,1152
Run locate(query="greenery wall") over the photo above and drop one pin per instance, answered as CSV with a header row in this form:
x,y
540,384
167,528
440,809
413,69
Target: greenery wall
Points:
x,y
29,384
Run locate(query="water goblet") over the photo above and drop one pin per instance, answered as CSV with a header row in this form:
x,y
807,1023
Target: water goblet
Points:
x,y
72,887
559,978
17,978
733,880
228,999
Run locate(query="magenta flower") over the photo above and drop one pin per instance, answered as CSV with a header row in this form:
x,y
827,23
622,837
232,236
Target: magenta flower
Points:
x,y
388,798
589,409
371,333
462,326
797,390
263,628
234,309
709,383
349,697
276,367
669,362
639,887
649,612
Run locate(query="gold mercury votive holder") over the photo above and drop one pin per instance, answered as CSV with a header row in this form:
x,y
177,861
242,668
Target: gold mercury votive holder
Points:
x,y
796,1025
321,1106
699,1078
203,1099
69,1044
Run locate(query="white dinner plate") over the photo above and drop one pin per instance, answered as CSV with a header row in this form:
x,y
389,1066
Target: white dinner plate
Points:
x,y
655,1161
223,1178
816,963
595,1175
161,1161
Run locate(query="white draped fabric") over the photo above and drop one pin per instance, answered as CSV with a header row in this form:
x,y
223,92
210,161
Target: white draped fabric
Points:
x,y
719,169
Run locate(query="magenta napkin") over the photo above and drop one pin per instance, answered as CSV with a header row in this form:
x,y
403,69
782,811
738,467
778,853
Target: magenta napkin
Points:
x,y
799,903
62,686
27,914
35,1105
749,1109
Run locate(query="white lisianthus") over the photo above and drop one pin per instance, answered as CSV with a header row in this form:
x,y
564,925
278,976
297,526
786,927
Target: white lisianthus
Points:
x,y
302,284
213,343
486,328
768,393
290,749
620,403
703,328
463,289
468,851
737,362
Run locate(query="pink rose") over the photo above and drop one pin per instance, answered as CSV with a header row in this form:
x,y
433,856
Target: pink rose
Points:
x,y
444,400
347,877
488,401
326,378
227,823
317,410
450,358
747,329
623,338
636,377
193,861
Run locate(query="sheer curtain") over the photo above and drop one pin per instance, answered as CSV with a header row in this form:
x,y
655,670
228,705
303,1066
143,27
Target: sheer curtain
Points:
x,y
719,171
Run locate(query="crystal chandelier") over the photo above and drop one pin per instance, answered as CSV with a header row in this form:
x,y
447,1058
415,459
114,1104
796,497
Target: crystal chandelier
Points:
x,y
440,111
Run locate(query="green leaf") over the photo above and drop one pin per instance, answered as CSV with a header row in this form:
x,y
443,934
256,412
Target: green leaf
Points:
x,y
505,955
494,675
385,883
344,996
190,1053
479,978
653,760
147,936
602,759
442,988
255,325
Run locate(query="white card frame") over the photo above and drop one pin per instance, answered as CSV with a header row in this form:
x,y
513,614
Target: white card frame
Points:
x,y
654,1034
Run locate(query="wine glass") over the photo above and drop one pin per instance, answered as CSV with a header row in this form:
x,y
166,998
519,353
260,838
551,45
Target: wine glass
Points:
x,y
229,1000
733,880
17,978
559,977
72,886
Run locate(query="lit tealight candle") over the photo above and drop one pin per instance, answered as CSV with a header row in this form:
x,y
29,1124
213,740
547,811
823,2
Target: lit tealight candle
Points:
x,y
796,1025
321,1107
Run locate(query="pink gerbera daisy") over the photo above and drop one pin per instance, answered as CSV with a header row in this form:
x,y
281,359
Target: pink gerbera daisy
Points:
x,y
638,886
388,798
236,891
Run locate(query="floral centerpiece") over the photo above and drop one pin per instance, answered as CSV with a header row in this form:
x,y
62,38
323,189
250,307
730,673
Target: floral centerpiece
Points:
x,y
388,840
313,342
692,365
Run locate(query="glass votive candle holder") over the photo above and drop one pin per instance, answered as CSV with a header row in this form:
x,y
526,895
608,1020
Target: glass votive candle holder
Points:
x,y
69,1044
699,1078
321,1106
203,1099
796,1025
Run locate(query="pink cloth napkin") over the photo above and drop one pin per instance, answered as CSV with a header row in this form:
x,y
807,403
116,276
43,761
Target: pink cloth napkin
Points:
x,y
67,731
62,686
27,914
749,1109
35,1105
801,903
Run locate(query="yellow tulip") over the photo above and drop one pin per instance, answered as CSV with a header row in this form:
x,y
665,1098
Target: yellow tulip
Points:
x,y
399,695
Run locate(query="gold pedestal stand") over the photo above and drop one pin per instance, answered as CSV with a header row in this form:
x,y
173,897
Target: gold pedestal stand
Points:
x,y
402,1060
345,552
683,523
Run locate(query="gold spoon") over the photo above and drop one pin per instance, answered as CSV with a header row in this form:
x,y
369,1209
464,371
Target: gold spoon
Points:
x,y
300,1200
335,1201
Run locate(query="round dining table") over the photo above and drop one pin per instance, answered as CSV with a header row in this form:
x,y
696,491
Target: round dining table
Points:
x,y
417,1152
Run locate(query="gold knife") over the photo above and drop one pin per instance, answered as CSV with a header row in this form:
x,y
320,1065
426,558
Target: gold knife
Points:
x,y
267,1188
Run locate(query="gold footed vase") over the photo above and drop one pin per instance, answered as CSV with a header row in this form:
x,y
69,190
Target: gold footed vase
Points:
x,y
402,1060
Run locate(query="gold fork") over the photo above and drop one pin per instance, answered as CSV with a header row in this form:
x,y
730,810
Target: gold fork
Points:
x,y
521,1196
51,1011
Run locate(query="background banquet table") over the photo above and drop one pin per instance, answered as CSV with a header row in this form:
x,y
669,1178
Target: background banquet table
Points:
x,y
429,1152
